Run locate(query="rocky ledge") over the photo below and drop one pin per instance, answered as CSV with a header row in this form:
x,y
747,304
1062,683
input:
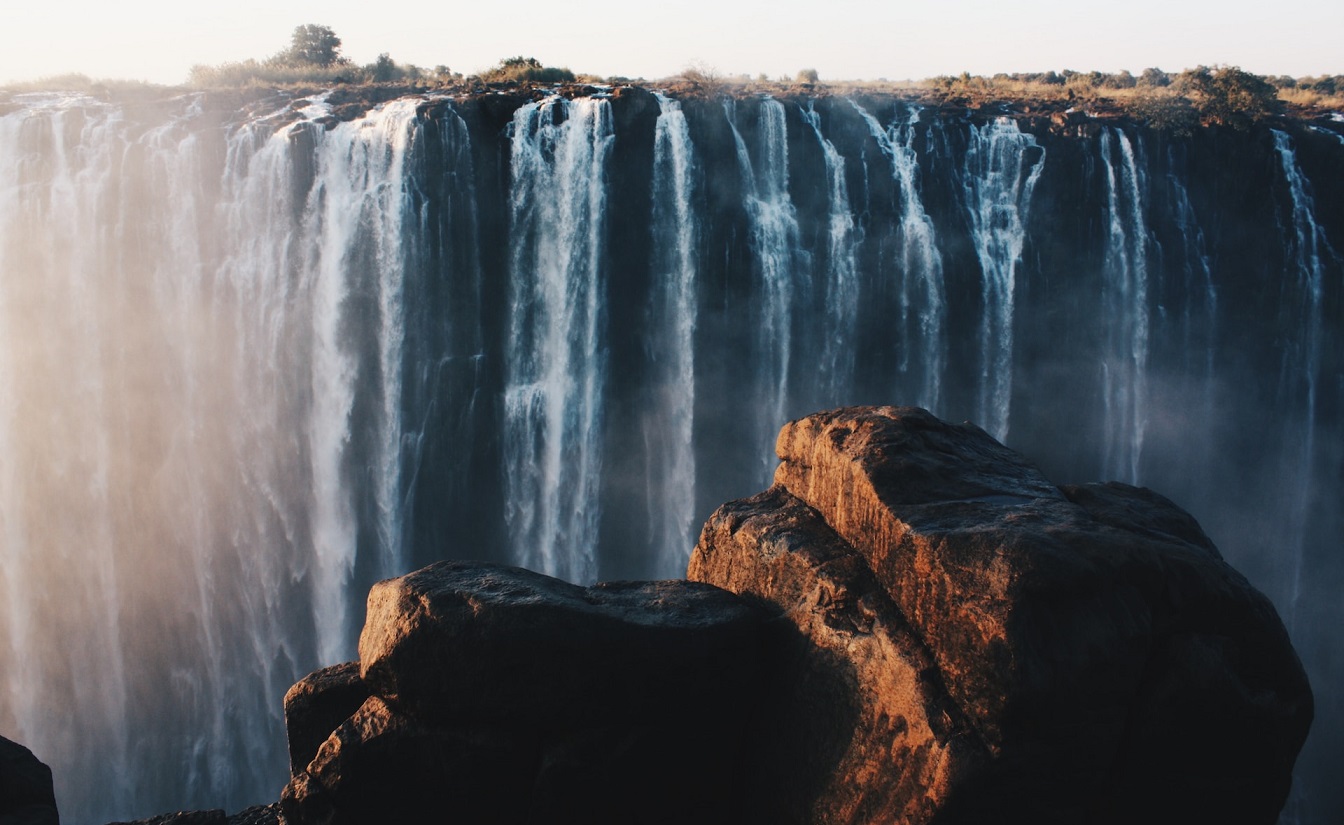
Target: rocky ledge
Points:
x,y
912,625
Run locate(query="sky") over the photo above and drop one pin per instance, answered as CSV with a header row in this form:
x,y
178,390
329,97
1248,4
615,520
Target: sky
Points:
x,y
159,40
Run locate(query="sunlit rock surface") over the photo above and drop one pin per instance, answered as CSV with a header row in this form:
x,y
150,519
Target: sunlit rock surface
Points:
x,y
316,705
1038,654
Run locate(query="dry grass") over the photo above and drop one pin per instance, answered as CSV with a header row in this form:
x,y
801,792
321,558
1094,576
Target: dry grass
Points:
x,y
1313,100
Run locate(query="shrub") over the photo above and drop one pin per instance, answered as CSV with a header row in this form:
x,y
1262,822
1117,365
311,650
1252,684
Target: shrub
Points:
x,y
1153,78
1161,109
1228,96
526,69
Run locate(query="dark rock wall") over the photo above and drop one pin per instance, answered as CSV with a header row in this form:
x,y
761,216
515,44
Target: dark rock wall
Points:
x,y
1223,408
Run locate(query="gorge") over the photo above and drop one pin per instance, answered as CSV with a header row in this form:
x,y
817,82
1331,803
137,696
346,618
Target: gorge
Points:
x,y
259,353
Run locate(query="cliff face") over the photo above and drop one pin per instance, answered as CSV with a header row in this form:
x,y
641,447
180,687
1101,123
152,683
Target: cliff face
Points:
x,y
558,332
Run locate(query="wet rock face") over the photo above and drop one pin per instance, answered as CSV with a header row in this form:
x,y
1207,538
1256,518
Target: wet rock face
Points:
x,y
1034,653
504,696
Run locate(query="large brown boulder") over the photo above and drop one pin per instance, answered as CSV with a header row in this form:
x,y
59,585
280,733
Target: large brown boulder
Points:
x,y
499,695
1052,655
858,726
471,641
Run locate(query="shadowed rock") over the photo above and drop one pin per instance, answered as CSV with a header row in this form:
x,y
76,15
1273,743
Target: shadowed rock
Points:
x,y
466,641
26,793
257,815
316,705
505,696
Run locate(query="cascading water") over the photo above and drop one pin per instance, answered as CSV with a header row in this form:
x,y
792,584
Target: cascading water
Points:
x,y
923,303
670,427
358,208
180,380
1002,168
556,363
775,244
1125,293
842,282
1198,331
1307,247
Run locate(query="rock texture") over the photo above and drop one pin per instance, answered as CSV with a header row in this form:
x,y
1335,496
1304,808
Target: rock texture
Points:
x,y
498,695
26,794
258,815
316,705
1006,650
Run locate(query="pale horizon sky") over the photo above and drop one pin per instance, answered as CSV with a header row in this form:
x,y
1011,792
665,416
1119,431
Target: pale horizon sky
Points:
x,y
159,40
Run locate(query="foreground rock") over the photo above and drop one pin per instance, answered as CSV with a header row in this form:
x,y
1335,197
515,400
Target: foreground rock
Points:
x,y
258,815
912,625
985,647
26,793
316,705
497,695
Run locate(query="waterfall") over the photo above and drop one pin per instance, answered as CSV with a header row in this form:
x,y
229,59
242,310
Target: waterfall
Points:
x,y
180,378
556,359
358,209
1001,172
1198,271
923,303
670,427
775,245
1305,270
842,282
1125,294
253,360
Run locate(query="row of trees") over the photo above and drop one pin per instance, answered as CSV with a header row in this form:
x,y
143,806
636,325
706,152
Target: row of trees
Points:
x,y
314,56
1223,95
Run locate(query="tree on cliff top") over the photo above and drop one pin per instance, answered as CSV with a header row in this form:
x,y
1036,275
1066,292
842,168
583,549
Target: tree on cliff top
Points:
x,y
313,45
527,69
1228,96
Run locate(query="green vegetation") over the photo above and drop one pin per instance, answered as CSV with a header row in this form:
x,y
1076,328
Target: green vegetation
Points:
x,y
313,45
1228,96
1219,95
526,70
314,56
